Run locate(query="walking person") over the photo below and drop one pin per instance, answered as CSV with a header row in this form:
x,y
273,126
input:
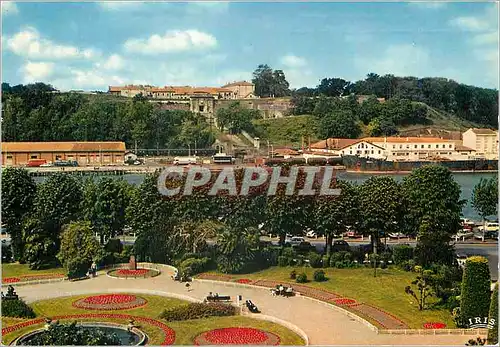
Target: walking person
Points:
x,y
188,286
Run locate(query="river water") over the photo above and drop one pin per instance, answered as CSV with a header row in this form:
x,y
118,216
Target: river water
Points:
x,y
467,181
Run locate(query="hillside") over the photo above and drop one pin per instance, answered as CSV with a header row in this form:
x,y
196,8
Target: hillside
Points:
x,y
289,131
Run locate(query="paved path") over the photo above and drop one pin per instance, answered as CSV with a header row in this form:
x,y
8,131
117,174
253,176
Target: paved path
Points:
x,y
322,324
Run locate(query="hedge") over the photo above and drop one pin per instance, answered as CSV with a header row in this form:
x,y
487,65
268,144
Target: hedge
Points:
x,y
476,286
493,318
198,311
402,254
16,308
301,278
193,266
319,276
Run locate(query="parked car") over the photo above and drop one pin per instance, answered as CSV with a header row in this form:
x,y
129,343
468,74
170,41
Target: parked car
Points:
x,y
49,164
340,245
463,234
466,222
303,247
353,235
489,226
311,234
397,235
294,241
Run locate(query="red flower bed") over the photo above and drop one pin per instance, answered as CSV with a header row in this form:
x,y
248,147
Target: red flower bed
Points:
x,y
110,302
167,331
434,325
244,281
33,277
128,272
11,279
344,301
237,336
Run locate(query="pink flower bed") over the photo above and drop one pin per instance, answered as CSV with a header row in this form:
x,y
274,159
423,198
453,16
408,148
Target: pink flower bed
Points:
x,y
344,301
237,336
167,331
434,325
244,281
110,302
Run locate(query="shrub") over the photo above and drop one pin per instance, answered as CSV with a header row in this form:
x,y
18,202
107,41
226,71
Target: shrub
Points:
x,y
114,246
77,268
338,257
198,311
16,308
325,261
339,265
493,317
401,254
314,260
383,265
319,276
193,266
475,295
6,253
288,252
293,274
283,261
301,278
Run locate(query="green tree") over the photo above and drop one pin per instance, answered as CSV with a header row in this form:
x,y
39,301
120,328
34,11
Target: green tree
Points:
x,y
269,82
433,212
476,286
381,205
236,248
339,124
332,214
18,194
280,86
236,118
485,197
333,87
78,243
105,204
423,287
493,317
41,246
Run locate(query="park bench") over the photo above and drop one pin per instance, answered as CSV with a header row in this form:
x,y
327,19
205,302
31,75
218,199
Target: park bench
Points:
x,y
251,307
218,298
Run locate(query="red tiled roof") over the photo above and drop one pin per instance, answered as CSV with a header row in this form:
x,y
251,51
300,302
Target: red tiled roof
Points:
x,y
407,139
16,147
333,143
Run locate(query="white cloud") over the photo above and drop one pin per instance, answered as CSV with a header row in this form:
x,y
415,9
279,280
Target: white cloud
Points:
x,y
120,5
210,7
487,38
469,23
172,41
114,62
399,60
30,44
9,7
293,61
36,72
432,5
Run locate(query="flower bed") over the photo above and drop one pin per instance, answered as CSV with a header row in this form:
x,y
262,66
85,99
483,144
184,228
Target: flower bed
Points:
x,y
434,325
110,302
237,336
244,281
344,301
167,331
33,277
129,273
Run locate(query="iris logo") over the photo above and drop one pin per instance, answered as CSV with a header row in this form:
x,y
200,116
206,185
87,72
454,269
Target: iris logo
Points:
x,y
478,322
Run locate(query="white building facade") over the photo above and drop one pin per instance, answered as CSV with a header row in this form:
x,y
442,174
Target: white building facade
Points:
x,y
483,141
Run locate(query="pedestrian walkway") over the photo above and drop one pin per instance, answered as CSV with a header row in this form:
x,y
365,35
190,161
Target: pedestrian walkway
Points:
x,y
323,324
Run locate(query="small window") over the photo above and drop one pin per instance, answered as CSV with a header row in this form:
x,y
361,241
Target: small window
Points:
x,y
393,146
444,146
407,146
421,146
450,146
437,146
372,151
416,146
33,156
400,146
9,157
350,152
429,146
378,152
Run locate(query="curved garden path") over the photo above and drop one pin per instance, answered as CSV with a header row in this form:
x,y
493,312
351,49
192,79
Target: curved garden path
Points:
x,y
323,324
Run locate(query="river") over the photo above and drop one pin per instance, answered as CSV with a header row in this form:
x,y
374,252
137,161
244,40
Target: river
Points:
x,y
467,181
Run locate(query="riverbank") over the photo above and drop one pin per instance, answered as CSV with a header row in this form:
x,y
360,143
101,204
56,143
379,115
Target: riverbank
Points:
x,y
374,172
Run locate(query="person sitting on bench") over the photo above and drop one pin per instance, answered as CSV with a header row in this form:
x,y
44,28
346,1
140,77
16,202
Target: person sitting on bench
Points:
x,y
251,307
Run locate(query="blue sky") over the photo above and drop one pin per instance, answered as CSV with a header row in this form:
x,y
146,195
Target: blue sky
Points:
x,y
96,44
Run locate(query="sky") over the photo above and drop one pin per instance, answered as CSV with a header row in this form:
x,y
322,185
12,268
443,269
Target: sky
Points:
x,y
92,45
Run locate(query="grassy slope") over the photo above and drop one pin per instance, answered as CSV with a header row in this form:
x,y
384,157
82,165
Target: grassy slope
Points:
x,y
289,131
186,331
385,291
15,270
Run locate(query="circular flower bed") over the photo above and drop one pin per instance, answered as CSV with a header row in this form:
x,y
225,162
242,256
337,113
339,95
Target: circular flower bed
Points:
x,y
169,334
344,301
110,302
33,277
237,336
244,281
128,273
434,325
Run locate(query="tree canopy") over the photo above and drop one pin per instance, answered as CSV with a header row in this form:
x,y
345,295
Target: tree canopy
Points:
x,y
269,82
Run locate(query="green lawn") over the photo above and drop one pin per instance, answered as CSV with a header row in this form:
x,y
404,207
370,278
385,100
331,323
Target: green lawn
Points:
x,y
16,270
385,291
185,331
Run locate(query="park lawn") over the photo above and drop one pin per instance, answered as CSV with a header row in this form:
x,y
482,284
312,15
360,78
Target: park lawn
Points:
x,y
385,291
186,331
16,270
